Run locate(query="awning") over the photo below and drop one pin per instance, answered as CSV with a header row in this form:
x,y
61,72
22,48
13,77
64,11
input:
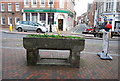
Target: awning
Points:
x,y
48,10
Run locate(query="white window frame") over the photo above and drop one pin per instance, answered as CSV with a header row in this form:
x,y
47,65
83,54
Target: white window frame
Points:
x,y
33,5
16,19
49,4
61,4
2,7
26,5
8,6
41,5
2,21
16,8
9,20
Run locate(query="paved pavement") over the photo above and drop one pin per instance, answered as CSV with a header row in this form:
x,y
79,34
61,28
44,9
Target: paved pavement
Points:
x,y
91,66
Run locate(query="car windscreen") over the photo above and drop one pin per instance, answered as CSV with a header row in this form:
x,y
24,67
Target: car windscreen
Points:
x,y
38,24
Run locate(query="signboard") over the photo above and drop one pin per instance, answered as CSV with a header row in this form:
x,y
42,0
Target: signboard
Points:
x,y
105,41
48,10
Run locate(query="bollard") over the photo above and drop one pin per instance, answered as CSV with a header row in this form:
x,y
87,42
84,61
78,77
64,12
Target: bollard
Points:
x,y
10,28
58,31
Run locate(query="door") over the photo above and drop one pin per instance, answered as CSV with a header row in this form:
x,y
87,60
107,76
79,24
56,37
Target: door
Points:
x,y
60,24
25,25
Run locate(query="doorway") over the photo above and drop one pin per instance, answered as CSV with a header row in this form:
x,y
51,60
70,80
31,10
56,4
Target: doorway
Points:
x,y
60,24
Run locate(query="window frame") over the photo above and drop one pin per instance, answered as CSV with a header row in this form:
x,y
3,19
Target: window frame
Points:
x,y
16,19
17,4
42,5
2,21
9,4
26,5
9,22
49,4
2,7
33,5
63,4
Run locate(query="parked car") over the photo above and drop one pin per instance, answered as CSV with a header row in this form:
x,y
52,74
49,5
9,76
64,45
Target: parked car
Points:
x,y
30,26
89,29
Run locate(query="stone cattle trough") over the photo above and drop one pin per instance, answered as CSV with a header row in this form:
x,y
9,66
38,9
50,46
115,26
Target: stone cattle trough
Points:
x,y
33,44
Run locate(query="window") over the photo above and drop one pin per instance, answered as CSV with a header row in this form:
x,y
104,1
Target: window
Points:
x,y
17,19
9,20
2,7
27,16
43,17
2,20
42,2
17,6
109,5
51,18
34,2
61,3
9,6
26,2
50,1
34,17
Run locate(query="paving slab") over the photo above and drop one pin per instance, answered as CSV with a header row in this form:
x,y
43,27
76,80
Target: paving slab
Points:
x,y
91,67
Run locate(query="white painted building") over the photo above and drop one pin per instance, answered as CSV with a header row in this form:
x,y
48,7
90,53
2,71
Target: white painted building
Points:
x,y
108,9
61,13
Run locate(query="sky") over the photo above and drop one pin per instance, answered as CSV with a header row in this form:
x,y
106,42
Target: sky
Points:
x,y
81,6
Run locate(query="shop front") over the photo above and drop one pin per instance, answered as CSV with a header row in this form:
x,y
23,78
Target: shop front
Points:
x,y
58,18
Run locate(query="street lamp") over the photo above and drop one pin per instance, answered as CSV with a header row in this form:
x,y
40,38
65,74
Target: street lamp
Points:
x,y
50,15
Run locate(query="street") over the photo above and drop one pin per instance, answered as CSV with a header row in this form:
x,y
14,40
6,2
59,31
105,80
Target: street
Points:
x,y
15,41
14,61
79,28
93,54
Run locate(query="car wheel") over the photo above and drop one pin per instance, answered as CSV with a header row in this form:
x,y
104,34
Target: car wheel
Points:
x,y
39,31
19,29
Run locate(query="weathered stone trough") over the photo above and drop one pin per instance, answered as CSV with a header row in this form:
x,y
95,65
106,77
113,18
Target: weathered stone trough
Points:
x,y
33,44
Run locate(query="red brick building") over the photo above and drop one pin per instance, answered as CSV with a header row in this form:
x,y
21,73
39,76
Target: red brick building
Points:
x,y
62,12
39,11
11,12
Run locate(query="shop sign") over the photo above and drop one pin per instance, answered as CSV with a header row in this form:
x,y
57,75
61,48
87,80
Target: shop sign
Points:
x,y
53,10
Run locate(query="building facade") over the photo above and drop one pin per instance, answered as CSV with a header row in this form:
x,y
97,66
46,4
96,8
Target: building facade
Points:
x,y
108,11
91,14
60,13
11,12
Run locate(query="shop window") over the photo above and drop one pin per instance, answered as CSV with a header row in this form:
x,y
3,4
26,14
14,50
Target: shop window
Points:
x,y
42,17
34,17
27,16
51,18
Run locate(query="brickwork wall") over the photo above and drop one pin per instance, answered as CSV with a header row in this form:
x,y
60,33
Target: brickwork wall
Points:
x,y
12,13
